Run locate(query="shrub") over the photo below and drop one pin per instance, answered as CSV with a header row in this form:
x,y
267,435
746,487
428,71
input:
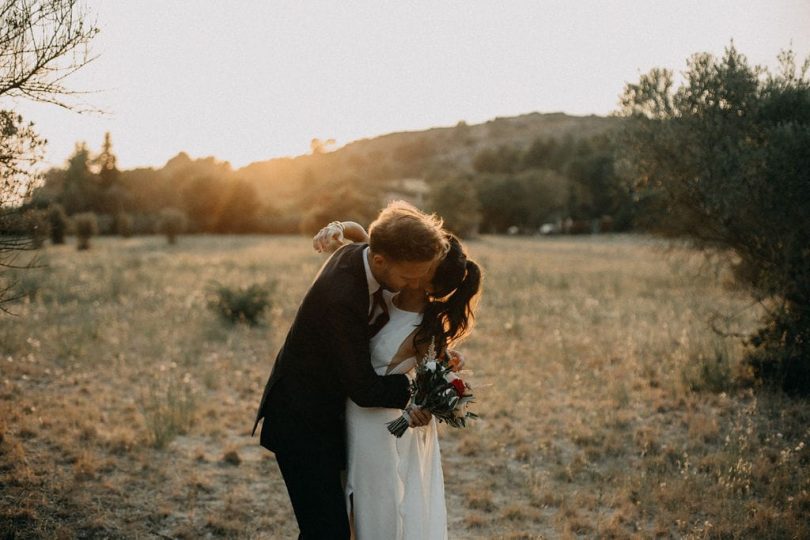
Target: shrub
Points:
x,y
780,352
86,227
59,223
241,304
38,226
168,412
171,222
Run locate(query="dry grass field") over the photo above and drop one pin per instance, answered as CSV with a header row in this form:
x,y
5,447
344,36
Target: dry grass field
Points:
x,y
608,408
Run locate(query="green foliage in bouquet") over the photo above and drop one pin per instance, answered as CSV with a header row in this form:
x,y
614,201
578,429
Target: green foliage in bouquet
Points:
x,y
438,389
443,403
241,304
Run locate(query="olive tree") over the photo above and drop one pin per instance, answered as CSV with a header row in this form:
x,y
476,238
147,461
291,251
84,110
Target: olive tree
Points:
x,y
722,160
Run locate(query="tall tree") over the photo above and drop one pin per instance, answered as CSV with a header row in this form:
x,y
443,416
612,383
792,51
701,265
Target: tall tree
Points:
x,y
106,162
455,199
240,207
203,202
723,160
80,190
112,197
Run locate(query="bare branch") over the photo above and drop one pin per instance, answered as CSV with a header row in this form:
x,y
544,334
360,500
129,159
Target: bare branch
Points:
x,y
42,43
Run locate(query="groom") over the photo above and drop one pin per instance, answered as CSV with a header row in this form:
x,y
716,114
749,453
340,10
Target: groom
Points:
x,y
326,359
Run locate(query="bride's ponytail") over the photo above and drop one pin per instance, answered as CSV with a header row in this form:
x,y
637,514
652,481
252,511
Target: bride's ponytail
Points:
x,y
450,314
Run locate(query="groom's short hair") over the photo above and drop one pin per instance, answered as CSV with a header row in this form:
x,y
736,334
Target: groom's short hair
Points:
x,y
403,233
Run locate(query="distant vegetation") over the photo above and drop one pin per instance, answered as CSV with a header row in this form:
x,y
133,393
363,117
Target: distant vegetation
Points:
x,y
517,173
243,304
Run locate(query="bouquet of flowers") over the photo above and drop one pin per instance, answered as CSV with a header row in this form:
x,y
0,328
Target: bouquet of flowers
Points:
x,y
438,389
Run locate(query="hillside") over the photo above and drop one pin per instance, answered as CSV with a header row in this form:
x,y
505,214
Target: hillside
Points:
x,y
415,153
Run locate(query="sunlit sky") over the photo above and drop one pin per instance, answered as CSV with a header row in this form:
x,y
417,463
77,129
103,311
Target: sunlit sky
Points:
x,y
250,80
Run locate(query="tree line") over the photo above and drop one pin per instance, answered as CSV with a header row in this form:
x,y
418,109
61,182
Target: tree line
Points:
x,y
518,188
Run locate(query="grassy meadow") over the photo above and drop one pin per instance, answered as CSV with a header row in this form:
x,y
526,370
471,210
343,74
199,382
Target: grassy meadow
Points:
x,y
608,407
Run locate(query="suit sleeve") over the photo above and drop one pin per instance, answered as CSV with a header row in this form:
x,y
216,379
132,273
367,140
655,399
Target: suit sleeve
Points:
x,y
346,329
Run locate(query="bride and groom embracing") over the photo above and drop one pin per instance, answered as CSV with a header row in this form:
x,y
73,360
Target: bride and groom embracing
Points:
x,y
344,372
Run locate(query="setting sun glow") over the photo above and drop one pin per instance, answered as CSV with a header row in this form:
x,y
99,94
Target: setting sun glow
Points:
x,y
247,81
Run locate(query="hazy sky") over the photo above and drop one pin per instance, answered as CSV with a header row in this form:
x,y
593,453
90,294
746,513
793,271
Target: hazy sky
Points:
x,y
250,80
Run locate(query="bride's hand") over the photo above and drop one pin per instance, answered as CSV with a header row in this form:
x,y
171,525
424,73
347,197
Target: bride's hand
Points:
x,y
329,238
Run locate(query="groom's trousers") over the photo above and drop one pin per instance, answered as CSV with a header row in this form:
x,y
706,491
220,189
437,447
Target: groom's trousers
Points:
x,y
316,492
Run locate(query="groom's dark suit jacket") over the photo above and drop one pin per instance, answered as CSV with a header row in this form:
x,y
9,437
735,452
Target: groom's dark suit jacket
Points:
x,y
325,358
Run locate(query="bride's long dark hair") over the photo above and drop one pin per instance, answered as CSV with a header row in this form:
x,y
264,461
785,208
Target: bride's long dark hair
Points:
x,y
450,311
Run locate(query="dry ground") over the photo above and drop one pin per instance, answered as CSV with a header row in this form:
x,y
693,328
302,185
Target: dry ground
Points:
x,y
608,408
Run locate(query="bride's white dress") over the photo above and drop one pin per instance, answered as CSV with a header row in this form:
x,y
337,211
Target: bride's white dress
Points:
x,y
394,487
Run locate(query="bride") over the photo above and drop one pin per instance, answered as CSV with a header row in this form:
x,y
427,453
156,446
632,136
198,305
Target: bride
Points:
x,y
394,486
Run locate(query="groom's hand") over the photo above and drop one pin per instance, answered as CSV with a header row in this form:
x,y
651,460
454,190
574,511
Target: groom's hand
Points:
x,y
418,417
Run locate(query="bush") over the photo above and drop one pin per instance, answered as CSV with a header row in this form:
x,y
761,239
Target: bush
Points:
x,y
172,222
86,225
38,226
168,412
241,304
780,350
59,223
